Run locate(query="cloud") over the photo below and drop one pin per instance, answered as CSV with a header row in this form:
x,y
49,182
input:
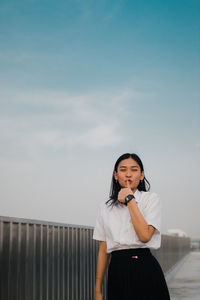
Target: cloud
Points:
x,y
43,123
197,146
12,56
113,12
100,136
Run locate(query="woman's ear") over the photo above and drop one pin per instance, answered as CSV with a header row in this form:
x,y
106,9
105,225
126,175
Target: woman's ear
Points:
x,y
115,175
142,176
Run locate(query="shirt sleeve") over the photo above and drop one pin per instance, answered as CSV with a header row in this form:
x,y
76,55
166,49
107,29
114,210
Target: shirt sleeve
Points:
x,y
153,212
99,231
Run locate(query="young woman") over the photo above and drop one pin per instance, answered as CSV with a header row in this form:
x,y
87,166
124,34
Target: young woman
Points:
x,y
127,226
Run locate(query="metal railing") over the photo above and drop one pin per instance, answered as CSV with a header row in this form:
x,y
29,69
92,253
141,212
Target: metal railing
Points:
x,y
53,261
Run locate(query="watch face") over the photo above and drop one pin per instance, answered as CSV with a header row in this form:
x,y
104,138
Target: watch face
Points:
x,y
129,197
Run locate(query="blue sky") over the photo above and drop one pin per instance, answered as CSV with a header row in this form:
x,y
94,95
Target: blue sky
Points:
x,y
82,82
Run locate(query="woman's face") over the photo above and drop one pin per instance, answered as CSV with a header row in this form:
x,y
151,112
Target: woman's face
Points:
x,y
129,170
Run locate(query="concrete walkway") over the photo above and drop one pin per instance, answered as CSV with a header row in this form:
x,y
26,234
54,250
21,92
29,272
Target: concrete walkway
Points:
x,y
185,282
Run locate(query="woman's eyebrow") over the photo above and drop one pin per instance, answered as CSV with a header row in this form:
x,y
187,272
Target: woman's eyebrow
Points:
x,y
126,167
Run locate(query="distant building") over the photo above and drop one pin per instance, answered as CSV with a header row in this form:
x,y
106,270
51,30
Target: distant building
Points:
x,y
177,232
195,244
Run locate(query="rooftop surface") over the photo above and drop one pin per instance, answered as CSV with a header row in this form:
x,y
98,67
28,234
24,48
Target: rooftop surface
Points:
x,y
185,283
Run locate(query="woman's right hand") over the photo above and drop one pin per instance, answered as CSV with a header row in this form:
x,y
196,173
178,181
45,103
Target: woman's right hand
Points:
x,y
98,296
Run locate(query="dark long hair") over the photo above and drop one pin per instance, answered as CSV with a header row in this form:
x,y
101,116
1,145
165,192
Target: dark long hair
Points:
x,y
115,187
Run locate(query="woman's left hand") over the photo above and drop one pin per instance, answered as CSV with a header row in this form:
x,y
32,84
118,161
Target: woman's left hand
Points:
x,y
123,193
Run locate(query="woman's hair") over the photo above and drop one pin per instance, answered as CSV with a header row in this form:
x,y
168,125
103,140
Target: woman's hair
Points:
x,y
144,185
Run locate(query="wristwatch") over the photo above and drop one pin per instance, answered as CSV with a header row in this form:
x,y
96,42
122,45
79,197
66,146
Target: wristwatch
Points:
x,y
128,198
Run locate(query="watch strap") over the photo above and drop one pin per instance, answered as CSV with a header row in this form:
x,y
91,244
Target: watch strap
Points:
x,y
129,198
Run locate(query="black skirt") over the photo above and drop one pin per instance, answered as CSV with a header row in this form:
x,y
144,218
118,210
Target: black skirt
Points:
x,y
135,274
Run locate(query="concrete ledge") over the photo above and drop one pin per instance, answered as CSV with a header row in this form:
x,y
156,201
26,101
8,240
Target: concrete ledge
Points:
x,y
170,273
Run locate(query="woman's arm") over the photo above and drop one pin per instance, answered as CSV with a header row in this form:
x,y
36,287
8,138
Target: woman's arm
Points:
x,y
142,229
102,262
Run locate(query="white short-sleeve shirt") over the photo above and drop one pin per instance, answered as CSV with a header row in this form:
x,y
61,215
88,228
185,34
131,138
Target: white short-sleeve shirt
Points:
x,y
114,224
